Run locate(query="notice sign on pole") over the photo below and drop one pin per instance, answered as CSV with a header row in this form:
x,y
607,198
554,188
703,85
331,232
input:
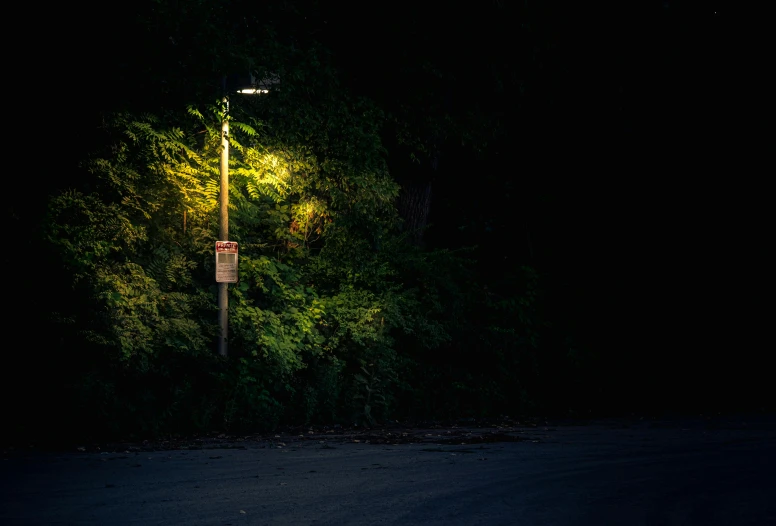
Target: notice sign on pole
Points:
x,y
226,262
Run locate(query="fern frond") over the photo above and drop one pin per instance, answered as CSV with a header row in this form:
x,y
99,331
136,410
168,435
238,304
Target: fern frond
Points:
x,y
194,112
245,128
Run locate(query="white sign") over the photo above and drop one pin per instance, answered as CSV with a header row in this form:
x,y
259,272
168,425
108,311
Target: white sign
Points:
x,y
226,262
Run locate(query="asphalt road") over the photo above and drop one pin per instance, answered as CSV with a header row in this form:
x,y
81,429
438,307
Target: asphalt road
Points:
x,y
610,472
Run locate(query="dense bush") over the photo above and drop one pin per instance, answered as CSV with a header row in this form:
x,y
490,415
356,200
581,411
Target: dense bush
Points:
x,y
336,317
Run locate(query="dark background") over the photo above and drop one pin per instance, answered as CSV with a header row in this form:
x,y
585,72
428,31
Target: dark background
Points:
x,y
623,169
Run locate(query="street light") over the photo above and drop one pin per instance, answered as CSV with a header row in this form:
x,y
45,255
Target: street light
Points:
x,y
245,86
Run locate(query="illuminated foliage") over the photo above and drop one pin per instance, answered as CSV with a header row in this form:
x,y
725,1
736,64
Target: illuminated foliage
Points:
x,y
312,290
337,315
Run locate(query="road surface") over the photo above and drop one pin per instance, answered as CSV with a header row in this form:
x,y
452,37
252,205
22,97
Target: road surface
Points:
x,y
688,472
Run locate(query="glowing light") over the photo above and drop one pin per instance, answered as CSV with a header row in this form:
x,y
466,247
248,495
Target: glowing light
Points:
x,y
253,91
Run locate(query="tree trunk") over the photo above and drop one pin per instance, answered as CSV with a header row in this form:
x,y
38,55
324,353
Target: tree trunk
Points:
x,y
414,207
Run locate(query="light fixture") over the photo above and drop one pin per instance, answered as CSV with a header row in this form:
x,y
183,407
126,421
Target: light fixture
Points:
x,y
252,91
248,84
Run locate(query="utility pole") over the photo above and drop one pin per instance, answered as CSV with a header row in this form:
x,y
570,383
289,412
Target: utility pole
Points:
x,y
223,213
223,232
